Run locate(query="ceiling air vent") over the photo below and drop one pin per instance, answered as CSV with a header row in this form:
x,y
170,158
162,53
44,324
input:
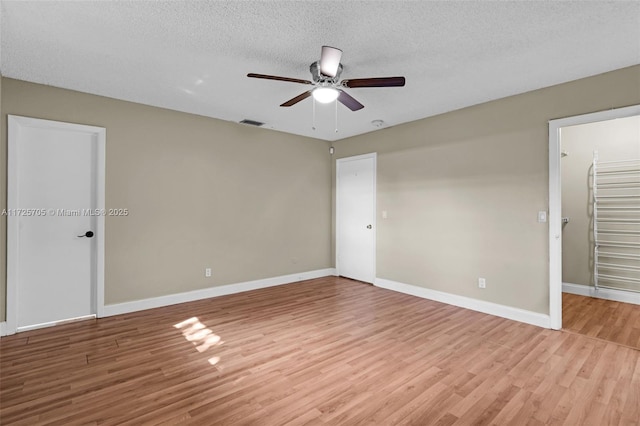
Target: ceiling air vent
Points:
x,y
252,123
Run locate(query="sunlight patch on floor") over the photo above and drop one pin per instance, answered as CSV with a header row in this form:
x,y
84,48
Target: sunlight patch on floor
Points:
x,y
200,336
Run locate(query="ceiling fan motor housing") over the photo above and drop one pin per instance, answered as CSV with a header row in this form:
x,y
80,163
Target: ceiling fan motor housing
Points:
x,y
318,77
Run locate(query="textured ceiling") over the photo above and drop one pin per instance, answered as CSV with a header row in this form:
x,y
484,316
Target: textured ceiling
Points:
x,y
194,56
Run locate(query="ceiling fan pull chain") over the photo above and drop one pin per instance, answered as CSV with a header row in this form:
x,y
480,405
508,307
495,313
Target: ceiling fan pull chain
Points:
x,y
336,102
313,121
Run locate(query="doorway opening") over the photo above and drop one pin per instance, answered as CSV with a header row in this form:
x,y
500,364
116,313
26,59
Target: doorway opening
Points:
x,y
560,222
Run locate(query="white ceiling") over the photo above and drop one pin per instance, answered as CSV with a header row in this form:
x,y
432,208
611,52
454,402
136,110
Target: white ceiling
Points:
x,y
193,56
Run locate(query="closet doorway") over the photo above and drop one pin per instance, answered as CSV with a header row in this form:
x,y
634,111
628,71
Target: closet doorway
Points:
x,y
595,225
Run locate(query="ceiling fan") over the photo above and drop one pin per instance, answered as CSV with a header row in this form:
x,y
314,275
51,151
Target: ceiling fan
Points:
x,y
325,74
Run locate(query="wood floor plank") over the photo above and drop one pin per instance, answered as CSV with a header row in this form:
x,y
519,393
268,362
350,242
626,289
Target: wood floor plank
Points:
x,y
329,351
604,319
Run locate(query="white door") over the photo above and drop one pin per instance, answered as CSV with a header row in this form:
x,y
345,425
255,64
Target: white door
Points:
x,y
355,217
55,221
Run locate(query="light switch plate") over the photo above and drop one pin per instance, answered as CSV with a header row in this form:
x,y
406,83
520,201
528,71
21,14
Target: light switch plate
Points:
x,y
542,216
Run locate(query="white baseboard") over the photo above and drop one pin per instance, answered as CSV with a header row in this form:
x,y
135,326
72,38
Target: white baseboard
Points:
x,y
516,314
602,293
3,328
54,323
206,293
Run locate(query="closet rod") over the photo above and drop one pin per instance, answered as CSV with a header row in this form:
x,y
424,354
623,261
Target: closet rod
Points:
x,y
625,184
619,161
621,208
611,173
626,256
621,267
613,277
617,232
619,166
617,244
619,186
619,180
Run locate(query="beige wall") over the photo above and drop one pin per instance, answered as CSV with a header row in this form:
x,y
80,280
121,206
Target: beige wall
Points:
x,y
462,191
248,202
614,140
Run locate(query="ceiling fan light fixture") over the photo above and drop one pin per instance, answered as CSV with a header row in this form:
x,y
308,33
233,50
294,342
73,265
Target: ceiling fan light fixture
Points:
x,y
324,95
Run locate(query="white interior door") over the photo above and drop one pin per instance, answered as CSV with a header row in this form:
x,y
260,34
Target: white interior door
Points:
x,y
55,220
355,217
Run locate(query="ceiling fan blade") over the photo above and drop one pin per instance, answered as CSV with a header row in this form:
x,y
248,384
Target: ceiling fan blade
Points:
x,y
374,82
297,99
275,77
348,101
330,60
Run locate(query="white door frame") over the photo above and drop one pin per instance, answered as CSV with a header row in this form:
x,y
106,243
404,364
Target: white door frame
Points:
x,y
14,123
555,200
339,161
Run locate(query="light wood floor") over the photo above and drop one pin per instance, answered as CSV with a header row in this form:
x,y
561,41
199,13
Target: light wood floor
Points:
x,y
322,352
604,319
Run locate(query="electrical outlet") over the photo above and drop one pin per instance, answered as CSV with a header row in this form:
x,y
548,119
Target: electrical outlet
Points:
x,y
482,283
207,272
